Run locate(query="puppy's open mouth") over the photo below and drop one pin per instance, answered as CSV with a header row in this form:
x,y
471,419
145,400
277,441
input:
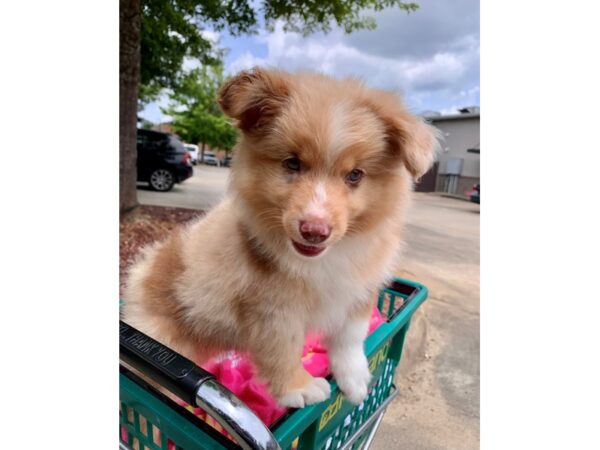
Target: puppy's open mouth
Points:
x,y
308,250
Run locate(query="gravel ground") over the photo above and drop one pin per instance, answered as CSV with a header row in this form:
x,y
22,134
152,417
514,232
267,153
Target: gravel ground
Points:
x,y
144,225
438,405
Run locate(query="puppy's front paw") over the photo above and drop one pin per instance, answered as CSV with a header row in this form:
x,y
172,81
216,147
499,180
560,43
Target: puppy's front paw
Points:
x,y
353,378
315,391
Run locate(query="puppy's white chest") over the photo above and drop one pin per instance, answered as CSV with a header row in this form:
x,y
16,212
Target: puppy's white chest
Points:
x,y
329,316
340,286
336,299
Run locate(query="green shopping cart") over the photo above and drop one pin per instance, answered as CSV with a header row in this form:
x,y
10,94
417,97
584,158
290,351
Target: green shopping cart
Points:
x,y
151,420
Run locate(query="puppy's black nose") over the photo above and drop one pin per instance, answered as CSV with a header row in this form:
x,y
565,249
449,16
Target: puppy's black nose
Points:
x,y
314,232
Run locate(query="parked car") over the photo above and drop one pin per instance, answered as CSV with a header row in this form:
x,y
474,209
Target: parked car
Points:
x,y
162,160
474,194
193,149
227,161
211,159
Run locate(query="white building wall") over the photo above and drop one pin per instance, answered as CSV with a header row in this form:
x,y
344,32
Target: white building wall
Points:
x,y
458,135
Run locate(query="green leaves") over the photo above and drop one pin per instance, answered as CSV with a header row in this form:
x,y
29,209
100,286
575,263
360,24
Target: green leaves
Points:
x,y
171,30
309,16
197,117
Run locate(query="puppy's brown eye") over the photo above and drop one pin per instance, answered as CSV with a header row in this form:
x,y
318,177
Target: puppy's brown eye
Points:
x,y
354,177
292,164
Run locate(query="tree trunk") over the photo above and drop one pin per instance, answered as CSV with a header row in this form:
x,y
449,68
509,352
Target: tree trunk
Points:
x,y
129,76
202,158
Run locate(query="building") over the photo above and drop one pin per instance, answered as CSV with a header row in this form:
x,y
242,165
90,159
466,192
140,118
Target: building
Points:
x,y
165,127
457,166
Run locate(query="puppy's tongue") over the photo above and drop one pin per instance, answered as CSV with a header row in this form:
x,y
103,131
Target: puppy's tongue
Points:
x,y
307,250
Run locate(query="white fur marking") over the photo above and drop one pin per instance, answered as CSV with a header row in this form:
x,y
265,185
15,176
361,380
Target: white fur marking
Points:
x,y
321,192
348,362
316,208
317,390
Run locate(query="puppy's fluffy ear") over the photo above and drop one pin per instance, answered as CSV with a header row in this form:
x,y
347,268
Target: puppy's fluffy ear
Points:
x,y
419,145
254,97
412,140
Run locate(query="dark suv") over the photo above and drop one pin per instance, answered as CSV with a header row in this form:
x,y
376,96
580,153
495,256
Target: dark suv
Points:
x,y
162,160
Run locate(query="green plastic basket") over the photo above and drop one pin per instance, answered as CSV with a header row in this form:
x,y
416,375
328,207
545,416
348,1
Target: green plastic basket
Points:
x,y
332,424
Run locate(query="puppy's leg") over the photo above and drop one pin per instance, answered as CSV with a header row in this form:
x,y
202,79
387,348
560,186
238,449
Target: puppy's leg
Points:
x,y
304,389
278,357
347,358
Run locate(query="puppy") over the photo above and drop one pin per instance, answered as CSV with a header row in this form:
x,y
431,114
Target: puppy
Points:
x,y
309,230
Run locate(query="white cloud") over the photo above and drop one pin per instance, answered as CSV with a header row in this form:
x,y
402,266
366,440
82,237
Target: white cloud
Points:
x,y
421,76
430,56
153,113
246,61
190,63
210,35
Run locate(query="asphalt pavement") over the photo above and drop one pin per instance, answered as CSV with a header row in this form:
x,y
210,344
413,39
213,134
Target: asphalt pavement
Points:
x,y
438,405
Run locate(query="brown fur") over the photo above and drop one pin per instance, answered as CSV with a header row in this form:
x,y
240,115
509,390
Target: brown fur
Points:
x,y
233,280
255,257
161,297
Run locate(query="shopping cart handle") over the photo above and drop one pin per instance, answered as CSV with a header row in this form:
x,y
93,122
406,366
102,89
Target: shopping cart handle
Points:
x,y
168,368
195,386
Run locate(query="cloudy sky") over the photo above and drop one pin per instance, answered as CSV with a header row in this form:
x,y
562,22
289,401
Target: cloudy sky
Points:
x,y
430,56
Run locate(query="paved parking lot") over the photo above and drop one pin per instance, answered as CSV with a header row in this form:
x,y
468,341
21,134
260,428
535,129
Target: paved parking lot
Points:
x,y
438,407
203,190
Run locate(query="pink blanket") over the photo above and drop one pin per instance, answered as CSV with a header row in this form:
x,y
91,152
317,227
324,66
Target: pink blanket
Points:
x,y
236,372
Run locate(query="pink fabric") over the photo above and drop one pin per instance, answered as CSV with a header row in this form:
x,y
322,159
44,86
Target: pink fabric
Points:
x,y
236,372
